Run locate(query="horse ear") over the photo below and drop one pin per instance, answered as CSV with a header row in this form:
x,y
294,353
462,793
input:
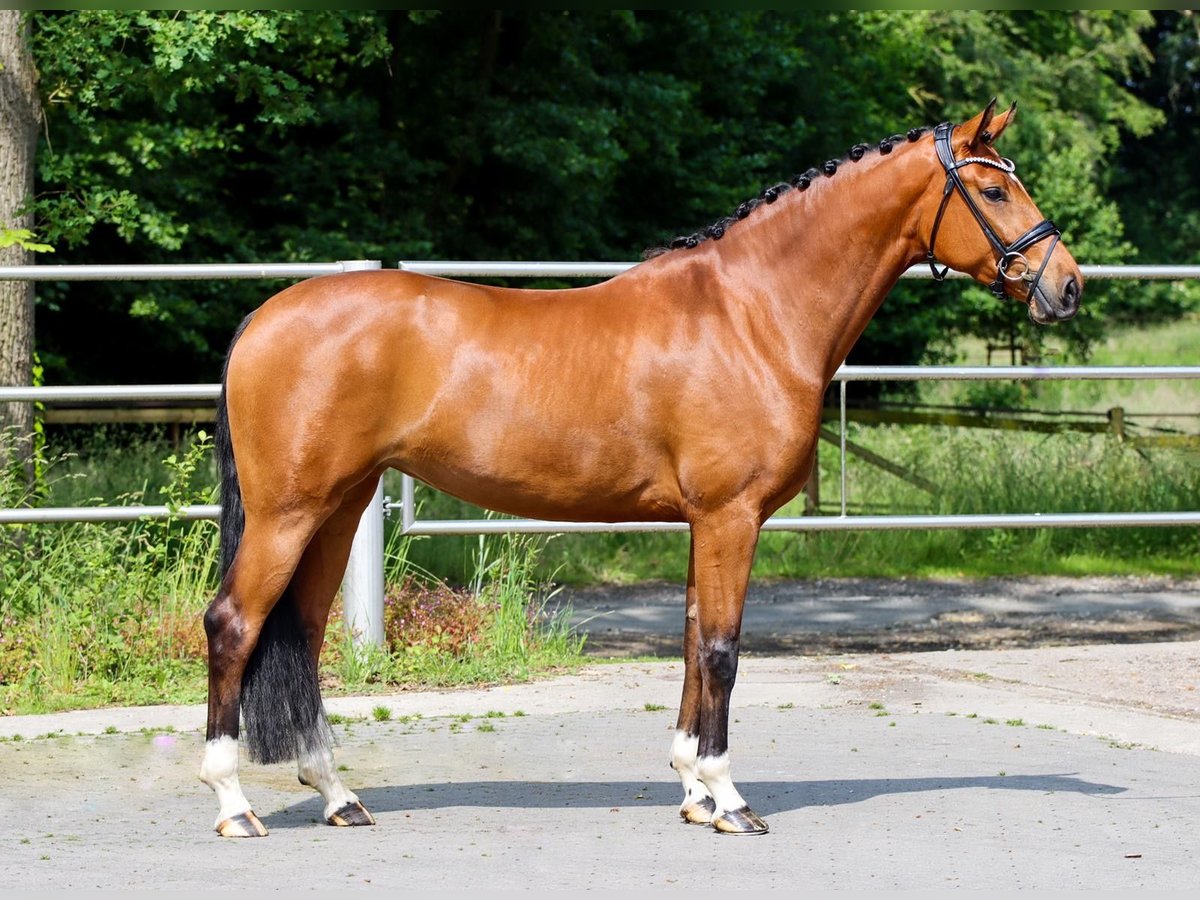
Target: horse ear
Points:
x,y
978,129
999,123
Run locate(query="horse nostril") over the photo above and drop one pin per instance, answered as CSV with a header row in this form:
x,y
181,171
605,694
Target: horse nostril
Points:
x,y
1070,293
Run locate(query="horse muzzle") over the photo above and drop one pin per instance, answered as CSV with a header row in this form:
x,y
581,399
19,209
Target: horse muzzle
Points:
x,y
1048,305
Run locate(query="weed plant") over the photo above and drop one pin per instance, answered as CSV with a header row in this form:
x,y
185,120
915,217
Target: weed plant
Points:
x,y
495,630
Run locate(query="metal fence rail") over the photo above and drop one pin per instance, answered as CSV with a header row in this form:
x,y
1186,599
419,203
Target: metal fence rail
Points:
x,y
844,375
506,269
363,585
844,522
182,271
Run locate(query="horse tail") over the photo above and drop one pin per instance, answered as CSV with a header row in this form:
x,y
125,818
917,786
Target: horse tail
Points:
x,y
281,697
233,515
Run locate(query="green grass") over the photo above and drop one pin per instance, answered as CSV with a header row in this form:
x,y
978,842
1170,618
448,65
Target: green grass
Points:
x,y
1172,403
100,614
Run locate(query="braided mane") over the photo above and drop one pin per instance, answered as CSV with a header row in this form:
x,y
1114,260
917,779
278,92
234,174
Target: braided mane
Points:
x,y
801,182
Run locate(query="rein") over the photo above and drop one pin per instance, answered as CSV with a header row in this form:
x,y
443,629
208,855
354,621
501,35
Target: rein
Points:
x,y
1008,253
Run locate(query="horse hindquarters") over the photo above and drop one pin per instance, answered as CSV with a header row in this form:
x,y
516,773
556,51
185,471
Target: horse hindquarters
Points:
x,y
259,661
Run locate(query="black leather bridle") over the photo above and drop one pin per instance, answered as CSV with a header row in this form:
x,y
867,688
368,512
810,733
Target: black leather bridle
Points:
x,y
1008,253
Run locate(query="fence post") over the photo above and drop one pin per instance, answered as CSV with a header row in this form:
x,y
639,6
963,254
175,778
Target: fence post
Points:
x,y
362,585
1116,422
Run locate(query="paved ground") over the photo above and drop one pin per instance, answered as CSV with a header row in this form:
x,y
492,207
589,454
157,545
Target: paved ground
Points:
x,y
871,614
1046,767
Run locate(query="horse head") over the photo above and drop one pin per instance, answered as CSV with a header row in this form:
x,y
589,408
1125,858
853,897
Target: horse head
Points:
x,y
987,225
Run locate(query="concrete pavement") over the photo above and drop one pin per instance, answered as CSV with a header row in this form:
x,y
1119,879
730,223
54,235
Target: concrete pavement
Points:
x,y
1061,767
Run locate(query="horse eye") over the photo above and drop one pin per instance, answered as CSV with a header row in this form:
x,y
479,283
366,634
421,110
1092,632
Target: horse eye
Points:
x,y
993,193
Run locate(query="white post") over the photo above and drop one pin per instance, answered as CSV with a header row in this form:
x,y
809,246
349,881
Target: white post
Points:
x,y
362,585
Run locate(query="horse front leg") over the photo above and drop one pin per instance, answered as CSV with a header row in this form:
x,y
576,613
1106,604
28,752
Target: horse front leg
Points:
x,y
723,550
698,805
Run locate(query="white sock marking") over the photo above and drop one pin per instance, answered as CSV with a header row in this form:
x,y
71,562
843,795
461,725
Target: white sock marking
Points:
x,y
683,759
316,768
219,771
714,772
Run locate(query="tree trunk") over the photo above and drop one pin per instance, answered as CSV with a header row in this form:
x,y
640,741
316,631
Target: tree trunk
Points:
x,y
20,113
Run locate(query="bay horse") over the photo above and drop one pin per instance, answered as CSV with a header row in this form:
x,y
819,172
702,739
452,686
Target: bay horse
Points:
x,y
688,388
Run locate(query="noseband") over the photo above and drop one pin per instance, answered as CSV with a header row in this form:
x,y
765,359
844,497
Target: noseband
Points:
x,y
1008,253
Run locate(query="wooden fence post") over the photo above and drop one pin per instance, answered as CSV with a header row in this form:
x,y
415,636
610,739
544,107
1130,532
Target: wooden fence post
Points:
x,y
1116,422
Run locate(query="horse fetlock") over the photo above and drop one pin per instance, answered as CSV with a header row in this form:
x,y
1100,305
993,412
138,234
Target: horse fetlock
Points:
x,y
684,751
714,773
218,770
698,805
315,769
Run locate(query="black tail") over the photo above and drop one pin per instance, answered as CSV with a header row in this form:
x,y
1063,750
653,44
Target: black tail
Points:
x,y
281,698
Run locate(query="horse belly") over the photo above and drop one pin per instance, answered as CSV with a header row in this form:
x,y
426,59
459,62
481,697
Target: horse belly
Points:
x,y
566,477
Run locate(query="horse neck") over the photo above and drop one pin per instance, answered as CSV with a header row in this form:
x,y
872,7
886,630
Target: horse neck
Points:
x,y
823,260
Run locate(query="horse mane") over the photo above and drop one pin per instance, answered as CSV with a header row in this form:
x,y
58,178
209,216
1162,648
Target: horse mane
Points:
x,y
828,169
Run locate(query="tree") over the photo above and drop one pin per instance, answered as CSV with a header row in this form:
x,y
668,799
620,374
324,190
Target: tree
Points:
x,y
1154,179
158,127
232,136
19,116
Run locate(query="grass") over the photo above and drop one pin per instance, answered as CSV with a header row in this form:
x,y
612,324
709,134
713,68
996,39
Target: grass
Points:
x,y
436,635
1172,403
100,614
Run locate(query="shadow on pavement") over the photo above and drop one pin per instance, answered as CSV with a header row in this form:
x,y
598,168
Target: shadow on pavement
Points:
x,y
767,797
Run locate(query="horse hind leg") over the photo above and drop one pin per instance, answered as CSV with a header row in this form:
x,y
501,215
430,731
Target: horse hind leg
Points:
x,y
243,647
313,587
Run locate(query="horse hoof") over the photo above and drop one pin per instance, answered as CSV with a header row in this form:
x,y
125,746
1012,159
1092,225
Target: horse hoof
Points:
x,y
351,814
243,825
740,821
700,813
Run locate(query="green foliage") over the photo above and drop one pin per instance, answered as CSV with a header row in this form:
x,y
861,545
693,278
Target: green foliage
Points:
x,y
235,135
1069,73
1154,179
103,613
94,614
23,238
435,634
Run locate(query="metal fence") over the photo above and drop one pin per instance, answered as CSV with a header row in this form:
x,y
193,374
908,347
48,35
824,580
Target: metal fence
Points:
x,y
363,585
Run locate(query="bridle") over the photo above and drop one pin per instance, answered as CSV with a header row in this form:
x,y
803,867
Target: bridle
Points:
x,y
1008,253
